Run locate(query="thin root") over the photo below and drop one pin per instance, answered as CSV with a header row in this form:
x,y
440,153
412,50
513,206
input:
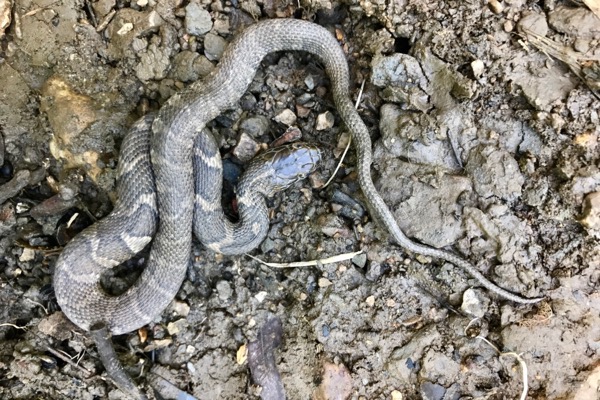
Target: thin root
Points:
x,y
519,359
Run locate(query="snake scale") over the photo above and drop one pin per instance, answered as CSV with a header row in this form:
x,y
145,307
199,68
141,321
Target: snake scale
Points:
x,y
175,127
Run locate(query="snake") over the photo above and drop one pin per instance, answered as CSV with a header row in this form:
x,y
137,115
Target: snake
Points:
x,y
168,161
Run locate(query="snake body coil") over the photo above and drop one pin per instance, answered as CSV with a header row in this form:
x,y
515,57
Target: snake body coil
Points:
x,y
179,121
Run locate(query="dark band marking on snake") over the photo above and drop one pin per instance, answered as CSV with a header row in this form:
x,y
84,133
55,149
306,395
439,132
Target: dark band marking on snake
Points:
x,y
125,231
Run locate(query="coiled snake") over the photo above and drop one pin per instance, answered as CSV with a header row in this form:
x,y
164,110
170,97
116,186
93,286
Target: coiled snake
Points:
x,y
174,129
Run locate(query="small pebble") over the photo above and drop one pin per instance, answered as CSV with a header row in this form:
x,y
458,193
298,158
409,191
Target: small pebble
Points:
x,y
248,102
432,391
477,67
177,326
360,260
533,22
255,126
260,296
214,46
375,271
474,303
324,282
27,255
496,6
325,121
348,207
591,211
370,301
336,383
224,290
286,117
246,148
309,81
302,111
179,308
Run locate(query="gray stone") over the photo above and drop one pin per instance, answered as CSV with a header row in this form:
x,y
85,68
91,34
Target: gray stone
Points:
x,y
214,46
197,20
255,126
375,271
543,87
535,191
349,207
221,26
248,102
286,117
533,22
246,148
474,303
309,81
325,121
432,391
360,260
591,211
438,367
224,290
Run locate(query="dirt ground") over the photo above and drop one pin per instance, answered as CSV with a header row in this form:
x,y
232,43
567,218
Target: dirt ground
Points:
x,y
485,144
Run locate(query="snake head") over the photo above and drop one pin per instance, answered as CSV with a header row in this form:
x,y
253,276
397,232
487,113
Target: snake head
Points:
x,y
280,167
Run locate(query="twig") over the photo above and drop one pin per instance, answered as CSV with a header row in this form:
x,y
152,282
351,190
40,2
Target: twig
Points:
x,y
339,165
329,260
519,359
69,360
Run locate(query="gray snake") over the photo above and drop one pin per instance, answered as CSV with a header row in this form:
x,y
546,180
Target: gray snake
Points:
x,y
174,129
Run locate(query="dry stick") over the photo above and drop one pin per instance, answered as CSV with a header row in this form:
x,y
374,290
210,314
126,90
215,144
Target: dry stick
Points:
x,y
329,260
519,359
359,98
69,360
